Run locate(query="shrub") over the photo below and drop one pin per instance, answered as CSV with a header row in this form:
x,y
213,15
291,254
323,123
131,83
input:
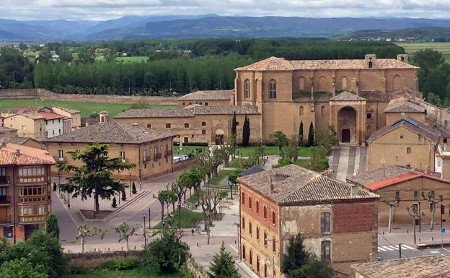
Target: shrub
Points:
x,y
121,264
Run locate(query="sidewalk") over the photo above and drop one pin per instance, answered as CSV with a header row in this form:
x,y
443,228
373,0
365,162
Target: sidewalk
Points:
x,y
405,235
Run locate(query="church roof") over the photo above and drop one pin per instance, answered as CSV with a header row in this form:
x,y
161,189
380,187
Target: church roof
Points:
x,y
347,96
274,63
208,95
415,126
404,107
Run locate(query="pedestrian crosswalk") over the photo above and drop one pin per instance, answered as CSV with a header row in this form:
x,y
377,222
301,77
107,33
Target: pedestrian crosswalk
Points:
x,y
386,248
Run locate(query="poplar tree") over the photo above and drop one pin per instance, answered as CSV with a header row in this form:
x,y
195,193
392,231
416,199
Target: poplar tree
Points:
x,y
301,136
311,135
246,132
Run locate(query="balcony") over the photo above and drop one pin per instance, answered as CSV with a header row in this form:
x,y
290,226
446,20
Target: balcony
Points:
x,y
32,219
5,180
6,220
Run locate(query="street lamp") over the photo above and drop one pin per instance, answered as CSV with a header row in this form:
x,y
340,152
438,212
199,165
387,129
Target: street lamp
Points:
x,y
149,218
145,235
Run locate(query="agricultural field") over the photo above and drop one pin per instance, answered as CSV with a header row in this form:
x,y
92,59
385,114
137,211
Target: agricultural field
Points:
x,y
132,59
86,108
443,47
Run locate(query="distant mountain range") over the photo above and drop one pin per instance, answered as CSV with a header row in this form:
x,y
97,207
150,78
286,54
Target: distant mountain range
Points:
x,y
203,26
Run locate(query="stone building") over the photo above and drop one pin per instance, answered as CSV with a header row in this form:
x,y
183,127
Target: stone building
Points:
x,y
149,150
207,98
405,188
196,123
283,202
25,192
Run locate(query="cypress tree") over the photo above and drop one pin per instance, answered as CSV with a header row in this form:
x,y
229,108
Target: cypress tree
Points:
x,y
51,226
246,132
311,135
233,125
301,136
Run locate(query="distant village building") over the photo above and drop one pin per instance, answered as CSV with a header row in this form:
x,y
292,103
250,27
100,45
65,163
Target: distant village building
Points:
x,y
403,188
280,203
207,98
150,150
25,191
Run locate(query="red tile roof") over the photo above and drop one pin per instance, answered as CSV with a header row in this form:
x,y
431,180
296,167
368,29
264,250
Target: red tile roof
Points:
x,y
399,179
12,154
48,116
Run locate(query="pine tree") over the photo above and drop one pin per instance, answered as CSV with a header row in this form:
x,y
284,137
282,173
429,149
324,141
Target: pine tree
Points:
x,y
223,265
301,136
295,256
311,135
51,225
114,202
246,132
133,188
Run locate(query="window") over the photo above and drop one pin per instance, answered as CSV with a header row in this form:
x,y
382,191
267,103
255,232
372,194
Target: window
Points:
x,y
257,264
247,88
186,125
273,217
59,131
243,198
203,123
408,149
325,227
301,111
149,125
206,104
369,115
53,132
265,270
257,206
322,111
274,245
265,212
60,154
243,223
344,82
326,250
3,178
265,239
250,258
370,63
272,89
167,125
203,132
250,228
257,232
7,232
249,202
397,195
122,155
302,82
243,252
416,195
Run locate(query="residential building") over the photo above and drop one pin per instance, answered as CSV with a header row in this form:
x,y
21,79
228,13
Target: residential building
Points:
x,y
72,118
25,192
196,123
6,133
207,98
149,150
337,221
403,188
418,267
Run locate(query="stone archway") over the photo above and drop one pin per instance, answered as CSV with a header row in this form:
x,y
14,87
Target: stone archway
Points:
x,y
347,125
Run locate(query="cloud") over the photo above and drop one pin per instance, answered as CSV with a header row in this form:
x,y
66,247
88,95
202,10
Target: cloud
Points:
x,y
107,9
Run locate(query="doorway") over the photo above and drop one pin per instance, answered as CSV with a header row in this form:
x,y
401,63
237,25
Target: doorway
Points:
x,y
345,136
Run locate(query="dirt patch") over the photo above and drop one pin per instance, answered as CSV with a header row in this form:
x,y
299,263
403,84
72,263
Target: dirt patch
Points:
x,y
90,214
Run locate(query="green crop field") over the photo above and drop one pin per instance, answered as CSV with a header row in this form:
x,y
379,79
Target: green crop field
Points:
x,y
443,47
86,108
132,59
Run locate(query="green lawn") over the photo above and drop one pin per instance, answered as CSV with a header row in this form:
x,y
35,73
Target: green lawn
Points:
x,y
132,59
186,219
223,174
443,47
86,108
135,273
271,150
190,149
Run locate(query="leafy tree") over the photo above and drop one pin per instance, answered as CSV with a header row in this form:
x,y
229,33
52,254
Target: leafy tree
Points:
x,y
223,265
165,198
311,135
51,225
84,231
22,268
280,139
314,267
301,136
427,59
319,159
125,231
209,200
45,55
15,69
94,176
166,254
246,132
232,181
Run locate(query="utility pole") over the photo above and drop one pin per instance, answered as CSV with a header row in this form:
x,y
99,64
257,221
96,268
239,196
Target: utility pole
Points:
x,y
414,214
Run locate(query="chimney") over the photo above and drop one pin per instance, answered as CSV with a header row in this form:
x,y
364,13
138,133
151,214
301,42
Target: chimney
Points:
x,y
354,190
17,152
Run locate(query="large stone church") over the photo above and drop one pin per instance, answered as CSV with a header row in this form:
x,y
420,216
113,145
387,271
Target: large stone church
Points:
x,y
278,95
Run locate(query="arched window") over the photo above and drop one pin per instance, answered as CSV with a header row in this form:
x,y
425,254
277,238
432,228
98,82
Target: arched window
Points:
x,y
396,82
272,89
257,264
247,88
370,63
344,83
302,83
243,251
322,84
322,111
301,111
250,257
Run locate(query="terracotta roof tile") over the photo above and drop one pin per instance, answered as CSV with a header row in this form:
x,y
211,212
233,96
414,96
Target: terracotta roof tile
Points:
x,y
295,185
274,63
208,95
112,132
48,116
368,177
12,154
416,267
404,107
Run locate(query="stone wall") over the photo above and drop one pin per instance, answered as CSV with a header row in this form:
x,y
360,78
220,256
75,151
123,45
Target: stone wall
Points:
x,y
45,94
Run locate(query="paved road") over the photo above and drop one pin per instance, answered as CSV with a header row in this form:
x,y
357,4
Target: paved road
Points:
x,y
347,161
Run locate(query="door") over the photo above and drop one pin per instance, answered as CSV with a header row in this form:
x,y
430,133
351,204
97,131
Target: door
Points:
x,y
29,229
345,135
219,139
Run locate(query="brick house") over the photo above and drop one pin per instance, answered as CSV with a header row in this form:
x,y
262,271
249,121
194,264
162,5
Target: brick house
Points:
x,y
280,203
25,192
149,150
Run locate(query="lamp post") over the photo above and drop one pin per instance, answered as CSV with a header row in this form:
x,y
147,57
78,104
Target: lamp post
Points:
x,y
145,235
149,218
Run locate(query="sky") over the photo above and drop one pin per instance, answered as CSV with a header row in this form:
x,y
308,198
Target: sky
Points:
x,y
110,9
